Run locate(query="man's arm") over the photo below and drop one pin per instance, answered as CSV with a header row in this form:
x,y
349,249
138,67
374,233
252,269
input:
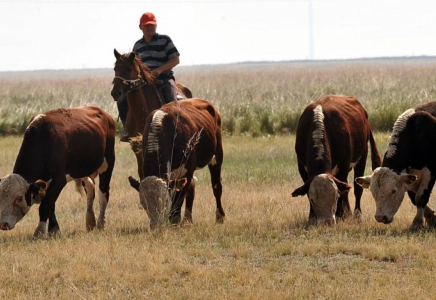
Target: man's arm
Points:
x,y
168,66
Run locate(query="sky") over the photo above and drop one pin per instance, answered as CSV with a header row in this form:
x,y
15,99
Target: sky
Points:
x,y
77,34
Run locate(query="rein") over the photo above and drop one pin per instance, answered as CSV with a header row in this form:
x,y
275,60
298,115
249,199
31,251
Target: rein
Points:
x,y
132,84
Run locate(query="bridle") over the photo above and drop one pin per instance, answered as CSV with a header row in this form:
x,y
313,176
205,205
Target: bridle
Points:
x,y
132,84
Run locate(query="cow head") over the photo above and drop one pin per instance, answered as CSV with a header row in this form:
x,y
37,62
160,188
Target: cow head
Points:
x,y
388,189
155,195
323,192
16,198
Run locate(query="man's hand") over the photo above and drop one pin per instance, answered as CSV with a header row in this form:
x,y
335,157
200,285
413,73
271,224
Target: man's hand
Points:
x,y
156,72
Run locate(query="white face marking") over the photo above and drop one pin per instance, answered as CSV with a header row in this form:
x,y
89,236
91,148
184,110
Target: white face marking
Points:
x,y
69,178
335,170
388,189
155,198
13,205
155,129
399,126
318,133
323,195
353,164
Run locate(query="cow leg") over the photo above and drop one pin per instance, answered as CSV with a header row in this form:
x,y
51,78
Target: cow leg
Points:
x,y
421,201
215,178
190,195
429,215
104,187
46,208
53,226
359,171
343,207
305,176
90,196
176,205
139,161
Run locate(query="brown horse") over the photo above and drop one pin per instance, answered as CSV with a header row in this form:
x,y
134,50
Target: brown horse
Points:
x,y
133,79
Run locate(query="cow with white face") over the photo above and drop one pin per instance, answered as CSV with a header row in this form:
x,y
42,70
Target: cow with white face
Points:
x,y
16,198
409,165
178,139
59,146
332,138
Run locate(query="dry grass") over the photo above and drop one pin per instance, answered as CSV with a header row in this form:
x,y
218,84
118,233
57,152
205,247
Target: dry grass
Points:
x,y
263,251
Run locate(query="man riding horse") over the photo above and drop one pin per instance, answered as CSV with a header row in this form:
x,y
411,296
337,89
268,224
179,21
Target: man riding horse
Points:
x,y
158,52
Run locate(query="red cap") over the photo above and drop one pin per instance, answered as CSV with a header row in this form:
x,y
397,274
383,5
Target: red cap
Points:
x,y
147,18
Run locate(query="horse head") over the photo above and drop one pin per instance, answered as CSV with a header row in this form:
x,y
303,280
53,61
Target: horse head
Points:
x,y
130,74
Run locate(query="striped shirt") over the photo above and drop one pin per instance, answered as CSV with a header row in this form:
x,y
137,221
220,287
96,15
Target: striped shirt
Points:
x,y
157,52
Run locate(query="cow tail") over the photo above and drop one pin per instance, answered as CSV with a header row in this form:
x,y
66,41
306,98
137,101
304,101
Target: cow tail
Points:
x,y
375,154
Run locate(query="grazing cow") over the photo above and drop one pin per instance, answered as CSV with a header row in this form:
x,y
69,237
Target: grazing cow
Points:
x,y
178,139
59,146
332,138
409,164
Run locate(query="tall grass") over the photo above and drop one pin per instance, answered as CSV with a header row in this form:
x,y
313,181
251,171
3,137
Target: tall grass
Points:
x,y
253,99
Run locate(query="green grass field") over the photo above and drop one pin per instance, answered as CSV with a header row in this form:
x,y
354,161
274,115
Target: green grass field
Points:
x,y
264,250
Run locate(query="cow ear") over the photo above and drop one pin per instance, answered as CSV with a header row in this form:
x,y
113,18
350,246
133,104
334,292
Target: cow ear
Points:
x,y
364,182
134,183
301,191
408,178
178,184
41,186
343,187
117,54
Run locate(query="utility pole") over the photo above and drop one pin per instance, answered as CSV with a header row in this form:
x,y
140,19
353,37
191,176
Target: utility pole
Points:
x,y
311,40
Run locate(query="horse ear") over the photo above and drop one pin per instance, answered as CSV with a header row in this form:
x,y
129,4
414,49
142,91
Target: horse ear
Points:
x,y
117,54
132,56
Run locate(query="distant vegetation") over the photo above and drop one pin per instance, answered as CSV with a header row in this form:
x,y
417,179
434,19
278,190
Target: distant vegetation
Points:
x,y
253,99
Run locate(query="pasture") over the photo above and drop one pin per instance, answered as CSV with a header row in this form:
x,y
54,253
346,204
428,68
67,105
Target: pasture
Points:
x,y
264,250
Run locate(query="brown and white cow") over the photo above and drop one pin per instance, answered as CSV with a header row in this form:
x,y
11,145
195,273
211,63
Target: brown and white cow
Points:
x,y
409,165
178,139
60,146
332,138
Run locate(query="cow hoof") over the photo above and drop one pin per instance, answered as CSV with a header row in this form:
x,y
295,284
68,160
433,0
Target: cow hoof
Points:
x,y
358,216
312,221
220,216
416,227
100,224
431,222
39,234
90,222
54,231
187,221
175,220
